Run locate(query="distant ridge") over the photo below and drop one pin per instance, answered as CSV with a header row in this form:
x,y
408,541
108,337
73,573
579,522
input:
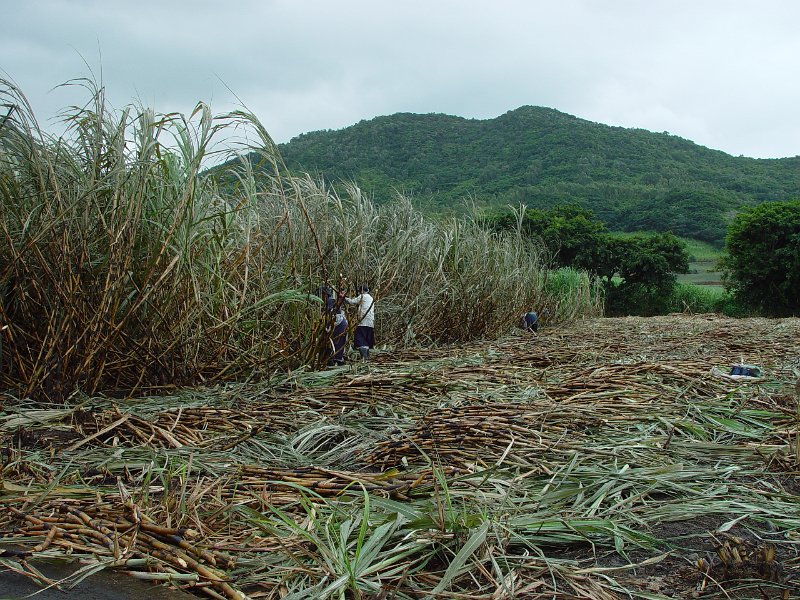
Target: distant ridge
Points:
x,y
632,179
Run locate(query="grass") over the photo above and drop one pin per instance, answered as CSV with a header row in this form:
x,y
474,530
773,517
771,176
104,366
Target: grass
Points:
x,y
702,274
703,269
689,297
701,252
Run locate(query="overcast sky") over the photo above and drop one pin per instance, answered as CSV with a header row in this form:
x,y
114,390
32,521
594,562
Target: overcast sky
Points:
x,y
722,73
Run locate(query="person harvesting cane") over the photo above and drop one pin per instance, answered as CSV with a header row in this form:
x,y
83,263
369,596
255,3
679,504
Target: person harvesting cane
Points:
x,y
364,338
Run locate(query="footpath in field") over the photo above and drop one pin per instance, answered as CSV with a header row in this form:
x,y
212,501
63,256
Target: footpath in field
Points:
x,y
600,460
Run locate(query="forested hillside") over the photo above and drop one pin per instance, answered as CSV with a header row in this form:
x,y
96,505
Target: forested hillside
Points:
x,y
630,178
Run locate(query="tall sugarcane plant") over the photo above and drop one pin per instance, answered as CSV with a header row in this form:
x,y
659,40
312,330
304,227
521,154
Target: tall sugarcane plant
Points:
x,y
128,263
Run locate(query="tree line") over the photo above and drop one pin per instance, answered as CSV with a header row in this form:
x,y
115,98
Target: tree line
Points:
x,y
638,272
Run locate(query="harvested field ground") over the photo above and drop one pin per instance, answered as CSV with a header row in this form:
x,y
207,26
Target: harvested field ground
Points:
x,y
601,460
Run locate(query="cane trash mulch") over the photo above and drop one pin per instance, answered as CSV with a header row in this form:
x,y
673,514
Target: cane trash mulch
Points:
x,y
603,459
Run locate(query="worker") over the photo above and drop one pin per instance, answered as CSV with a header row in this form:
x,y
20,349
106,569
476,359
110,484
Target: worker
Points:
x,y
364,338
529,321
336,329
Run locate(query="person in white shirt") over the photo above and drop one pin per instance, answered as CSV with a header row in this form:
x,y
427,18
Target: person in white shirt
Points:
x,y
365,330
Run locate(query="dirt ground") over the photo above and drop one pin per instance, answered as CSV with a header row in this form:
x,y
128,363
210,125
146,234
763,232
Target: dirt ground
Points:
x,y
100,586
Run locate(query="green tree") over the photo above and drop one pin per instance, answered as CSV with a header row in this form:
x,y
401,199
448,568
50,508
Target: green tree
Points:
x,y
639,272
571,234
762,267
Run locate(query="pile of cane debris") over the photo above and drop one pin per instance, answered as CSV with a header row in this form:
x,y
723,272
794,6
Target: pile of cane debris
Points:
x,y
594,460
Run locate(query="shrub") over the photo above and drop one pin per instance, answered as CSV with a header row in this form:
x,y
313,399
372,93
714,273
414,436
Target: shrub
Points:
x,y
762,267
645,267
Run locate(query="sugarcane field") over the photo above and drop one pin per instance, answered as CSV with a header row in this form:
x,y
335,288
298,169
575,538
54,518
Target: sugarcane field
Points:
x,y
221,378
600,459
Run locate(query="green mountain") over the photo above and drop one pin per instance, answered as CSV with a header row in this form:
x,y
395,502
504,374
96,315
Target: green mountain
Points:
x,y
630,178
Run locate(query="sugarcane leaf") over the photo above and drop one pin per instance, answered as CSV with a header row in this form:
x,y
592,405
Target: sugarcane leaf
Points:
x,y
467,550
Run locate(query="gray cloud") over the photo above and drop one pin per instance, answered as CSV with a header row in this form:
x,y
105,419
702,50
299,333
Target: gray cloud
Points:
x,y
723,73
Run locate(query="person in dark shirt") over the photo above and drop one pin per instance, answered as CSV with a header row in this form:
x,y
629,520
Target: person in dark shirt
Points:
x,y
529,321
333,351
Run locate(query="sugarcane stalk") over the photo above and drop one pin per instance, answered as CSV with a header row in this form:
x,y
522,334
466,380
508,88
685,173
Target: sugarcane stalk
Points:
x,y
164,577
